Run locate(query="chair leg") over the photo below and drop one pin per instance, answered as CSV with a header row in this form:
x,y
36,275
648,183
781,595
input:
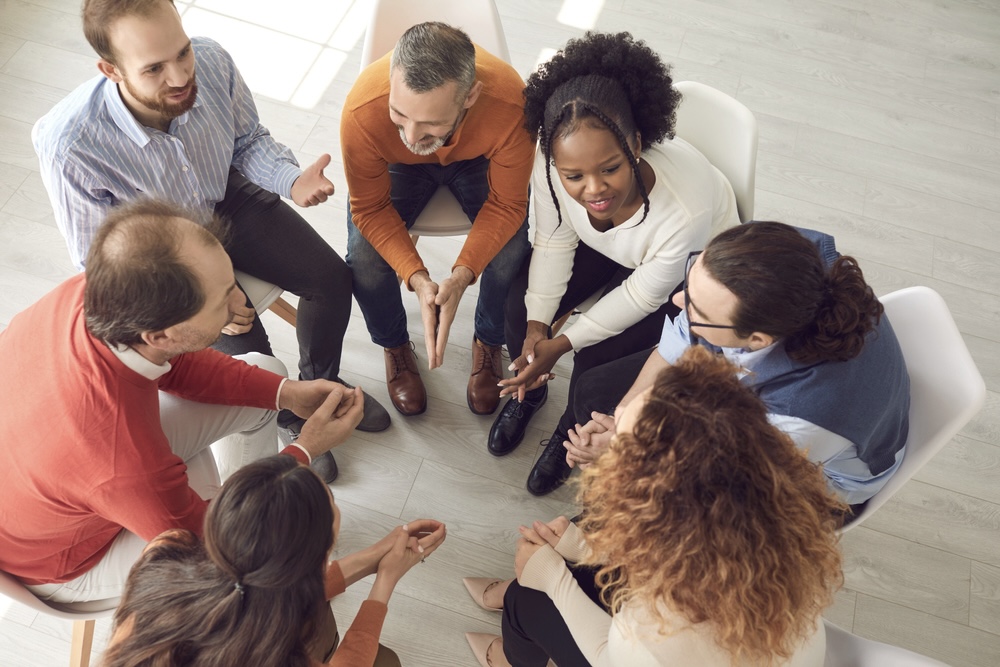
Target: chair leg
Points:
x,y
285,311
558,324
83,641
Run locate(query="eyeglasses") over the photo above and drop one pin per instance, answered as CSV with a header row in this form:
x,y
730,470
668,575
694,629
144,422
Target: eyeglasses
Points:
x,y
692,338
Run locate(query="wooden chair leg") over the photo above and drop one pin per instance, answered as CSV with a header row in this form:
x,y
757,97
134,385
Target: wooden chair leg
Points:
x,y
83,642
558,324
285,311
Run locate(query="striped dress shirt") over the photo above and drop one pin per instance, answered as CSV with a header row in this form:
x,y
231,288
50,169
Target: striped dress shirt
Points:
x,y
94,154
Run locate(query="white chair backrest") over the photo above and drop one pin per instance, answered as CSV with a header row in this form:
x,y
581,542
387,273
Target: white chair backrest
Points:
x,y
946,388
12,588
725,132
846,650
391,18
261,294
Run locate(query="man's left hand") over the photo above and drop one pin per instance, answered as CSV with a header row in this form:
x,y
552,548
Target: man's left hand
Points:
x,y
448,297
241,322
303,396
312,187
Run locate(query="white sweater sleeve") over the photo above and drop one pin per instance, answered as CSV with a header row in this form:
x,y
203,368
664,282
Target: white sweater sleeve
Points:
x,y
553,248
588,623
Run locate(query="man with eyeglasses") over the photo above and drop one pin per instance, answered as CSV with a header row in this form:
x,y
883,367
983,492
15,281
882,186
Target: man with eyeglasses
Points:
x,y
812,339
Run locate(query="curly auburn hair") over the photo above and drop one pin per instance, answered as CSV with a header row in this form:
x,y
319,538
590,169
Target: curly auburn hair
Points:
x,y
708,510
785,290
612,79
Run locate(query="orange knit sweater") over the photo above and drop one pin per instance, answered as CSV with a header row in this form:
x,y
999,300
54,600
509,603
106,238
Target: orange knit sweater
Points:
x,y
493,127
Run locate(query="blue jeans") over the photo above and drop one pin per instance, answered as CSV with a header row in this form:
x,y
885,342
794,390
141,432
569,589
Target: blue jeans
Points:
x,y
376,285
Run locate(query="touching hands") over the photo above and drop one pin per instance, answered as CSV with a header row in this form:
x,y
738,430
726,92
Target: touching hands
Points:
x,y
241,322
332,411
312,187
589,441
538,355
438,305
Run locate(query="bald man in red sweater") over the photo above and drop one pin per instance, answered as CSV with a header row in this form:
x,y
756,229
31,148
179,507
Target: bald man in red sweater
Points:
x,y
436,111
113,372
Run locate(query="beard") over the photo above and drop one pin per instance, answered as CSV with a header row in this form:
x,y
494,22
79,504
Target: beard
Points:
x,y
424,149
161,105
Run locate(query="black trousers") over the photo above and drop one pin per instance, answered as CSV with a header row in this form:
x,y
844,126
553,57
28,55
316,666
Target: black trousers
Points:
x,y
533,629
592,273
269,240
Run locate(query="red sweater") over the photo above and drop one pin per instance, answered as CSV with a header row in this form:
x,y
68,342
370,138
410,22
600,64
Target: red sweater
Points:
x,y
493,127
82,453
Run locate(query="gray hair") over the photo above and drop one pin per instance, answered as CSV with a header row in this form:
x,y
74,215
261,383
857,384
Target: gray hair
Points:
x,y
432,54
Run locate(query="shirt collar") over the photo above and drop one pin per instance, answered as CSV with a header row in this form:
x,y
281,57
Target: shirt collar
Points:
x,y
127,123
138,363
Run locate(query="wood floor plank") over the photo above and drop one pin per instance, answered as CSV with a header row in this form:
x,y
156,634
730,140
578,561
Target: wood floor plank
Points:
x,y
958,645
907,573
985,599
942,519
967,264
967,466
841,612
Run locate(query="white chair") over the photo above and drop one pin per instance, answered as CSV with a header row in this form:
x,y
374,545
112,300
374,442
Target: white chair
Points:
x,y
82,615
846,650
725,132
264,295
946,389
442,216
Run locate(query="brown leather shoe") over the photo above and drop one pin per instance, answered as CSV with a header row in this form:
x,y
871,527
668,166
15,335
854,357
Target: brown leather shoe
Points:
x,y
483,394
402,378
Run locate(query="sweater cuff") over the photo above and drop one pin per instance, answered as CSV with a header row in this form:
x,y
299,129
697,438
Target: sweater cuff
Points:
x,y
543,570
333,582
297,452
572,546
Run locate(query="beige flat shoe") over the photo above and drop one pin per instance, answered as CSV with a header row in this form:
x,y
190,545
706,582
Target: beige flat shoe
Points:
x,y
480,643
477,587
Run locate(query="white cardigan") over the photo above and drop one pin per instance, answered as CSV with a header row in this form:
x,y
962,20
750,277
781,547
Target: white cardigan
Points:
x,y
690,203
632,637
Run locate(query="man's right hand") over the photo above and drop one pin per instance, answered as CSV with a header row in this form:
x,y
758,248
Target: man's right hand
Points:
x,y
589,441
333,421
427,291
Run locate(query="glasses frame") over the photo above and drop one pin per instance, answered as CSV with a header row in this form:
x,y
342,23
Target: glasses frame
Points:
x,y
692,338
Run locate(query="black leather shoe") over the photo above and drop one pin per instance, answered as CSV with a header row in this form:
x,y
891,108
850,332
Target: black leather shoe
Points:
x,y
550,470
509,426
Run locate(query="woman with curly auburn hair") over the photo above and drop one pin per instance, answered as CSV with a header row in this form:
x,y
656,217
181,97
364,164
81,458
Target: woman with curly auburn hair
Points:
x,y
713,539
810,337
256,592
619,202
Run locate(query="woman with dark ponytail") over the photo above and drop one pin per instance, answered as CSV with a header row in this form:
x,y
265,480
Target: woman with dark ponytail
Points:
x,y
811,337
619,202
256,592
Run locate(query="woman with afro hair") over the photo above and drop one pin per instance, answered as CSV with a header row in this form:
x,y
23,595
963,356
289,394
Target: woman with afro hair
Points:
x,y
619,203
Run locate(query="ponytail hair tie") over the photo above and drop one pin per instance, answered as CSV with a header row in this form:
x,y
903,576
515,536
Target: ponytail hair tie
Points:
x,y
239,587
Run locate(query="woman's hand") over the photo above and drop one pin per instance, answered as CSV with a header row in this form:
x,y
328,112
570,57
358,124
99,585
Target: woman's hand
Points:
x,y
552,531
529,543
411,543
533,366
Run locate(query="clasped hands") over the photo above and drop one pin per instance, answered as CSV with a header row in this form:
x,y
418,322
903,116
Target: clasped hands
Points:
x,y
438,305
330,409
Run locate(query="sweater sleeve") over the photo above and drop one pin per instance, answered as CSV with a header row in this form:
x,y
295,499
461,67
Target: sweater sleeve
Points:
x,y
546,571
572,546
554,247
209,376
360,644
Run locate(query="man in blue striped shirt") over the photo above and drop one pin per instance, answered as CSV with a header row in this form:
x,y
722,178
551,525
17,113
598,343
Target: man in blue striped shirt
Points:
x,y
171,117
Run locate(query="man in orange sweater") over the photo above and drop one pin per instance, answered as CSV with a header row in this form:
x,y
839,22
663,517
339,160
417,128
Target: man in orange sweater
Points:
x,y
112,370
436,111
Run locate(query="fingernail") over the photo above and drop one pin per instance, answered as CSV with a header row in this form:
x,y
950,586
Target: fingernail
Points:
x,y
531,359
511,367
420,548
406,528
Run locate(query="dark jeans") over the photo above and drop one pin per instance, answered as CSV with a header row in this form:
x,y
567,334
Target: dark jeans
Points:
x,y
271,241
601,388
376,285
533,629
592,273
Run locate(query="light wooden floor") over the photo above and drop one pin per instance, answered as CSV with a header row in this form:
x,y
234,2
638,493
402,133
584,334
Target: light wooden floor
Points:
x,y
878,123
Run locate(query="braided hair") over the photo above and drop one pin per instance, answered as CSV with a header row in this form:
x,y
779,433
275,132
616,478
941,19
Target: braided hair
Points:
x,y
611,78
